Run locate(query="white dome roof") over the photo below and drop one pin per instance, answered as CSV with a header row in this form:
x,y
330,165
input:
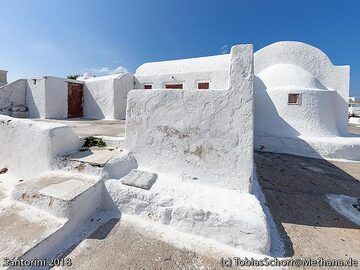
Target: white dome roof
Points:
x,y
288,76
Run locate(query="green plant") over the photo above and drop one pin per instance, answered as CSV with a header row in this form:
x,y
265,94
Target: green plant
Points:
x,y
93,141
73,77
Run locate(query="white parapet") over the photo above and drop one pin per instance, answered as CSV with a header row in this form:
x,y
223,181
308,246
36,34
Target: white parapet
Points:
x,y
197,150
205,136
28,148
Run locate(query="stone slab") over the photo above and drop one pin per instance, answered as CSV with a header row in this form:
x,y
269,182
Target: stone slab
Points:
x,y
140,179
67,190
94,156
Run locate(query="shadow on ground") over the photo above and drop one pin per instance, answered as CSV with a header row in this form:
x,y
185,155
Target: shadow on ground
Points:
x,y
295,189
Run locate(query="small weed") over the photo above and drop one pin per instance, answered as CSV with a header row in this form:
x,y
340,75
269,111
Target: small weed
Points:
x,y
92,141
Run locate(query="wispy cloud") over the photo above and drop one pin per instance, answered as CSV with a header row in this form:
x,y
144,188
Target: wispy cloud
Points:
x,y
224,49
101,71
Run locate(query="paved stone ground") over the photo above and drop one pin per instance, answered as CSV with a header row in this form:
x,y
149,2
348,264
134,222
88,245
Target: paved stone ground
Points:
x,y
88,127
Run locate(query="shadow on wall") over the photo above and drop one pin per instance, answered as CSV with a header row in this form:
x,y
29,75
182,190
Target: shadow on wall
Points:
x,y
270,119
343,126
295,189
30,103
91,107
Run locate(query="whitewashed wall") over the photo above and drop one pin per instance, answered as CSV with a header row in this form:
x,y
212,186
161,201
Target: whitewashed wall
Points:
x,y
56,94
122,87
29,147
205,136
47,97
317,127
318,64
12,94
313,116
212,69
105,96
35,97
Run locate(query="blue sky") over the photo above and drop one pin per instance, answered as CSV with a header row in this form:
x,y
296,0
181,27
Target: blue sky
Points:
x,y
53,37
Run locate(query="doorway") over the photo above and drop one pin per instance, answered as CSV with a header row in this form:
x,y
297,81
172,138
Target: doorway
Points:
x,y
75,99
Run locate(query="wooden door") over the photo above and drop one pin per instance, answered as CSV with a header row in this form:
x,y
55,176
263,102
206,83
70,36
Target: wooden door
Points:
x,y
75,99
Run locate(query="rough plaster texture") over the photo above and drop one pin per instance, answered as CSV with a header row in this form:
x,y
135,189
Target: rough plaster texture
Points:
x,y
212,69
29,147
205,136
105,96
140,179
230,217
12,94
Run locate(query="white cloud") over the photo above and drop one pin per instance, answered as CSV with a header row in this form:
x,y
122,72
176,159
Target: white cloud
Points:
x,y
224,49
101,71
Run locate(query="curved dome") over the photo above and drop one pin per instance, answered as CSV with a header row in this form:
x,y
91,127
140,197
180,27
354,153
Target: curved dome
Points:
x,y
288,76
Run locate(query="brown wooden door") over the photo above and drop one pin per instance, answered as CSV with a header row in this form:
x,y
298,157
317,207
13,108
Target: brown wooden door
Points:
x,y
75,100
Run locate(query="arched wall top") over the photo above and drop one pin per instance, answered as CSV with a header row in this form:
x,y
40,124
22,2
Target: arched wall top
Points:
x,y
314,61
292,52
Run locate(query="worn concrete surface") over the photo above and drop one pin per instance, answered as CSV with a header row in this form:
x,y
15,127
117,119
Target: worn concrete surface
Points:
x,y
67,190
21,227
121,245
96,156
295,189
89,127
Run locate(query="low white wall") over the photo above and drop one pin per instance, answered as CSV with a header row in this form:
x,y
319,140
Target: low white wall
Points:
x,y
204,136
105,97
28,148
316,147
12,94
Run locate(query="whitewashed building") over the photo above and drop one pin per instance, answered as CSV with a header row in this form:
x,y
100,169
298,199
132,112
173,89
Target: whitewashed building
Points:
x,y
300,98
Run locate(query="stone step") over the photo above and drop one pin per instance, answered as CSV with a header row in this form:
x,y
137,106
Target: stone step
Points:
x,y
140,179
102,163
81,202
23,228
61,194
96,156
